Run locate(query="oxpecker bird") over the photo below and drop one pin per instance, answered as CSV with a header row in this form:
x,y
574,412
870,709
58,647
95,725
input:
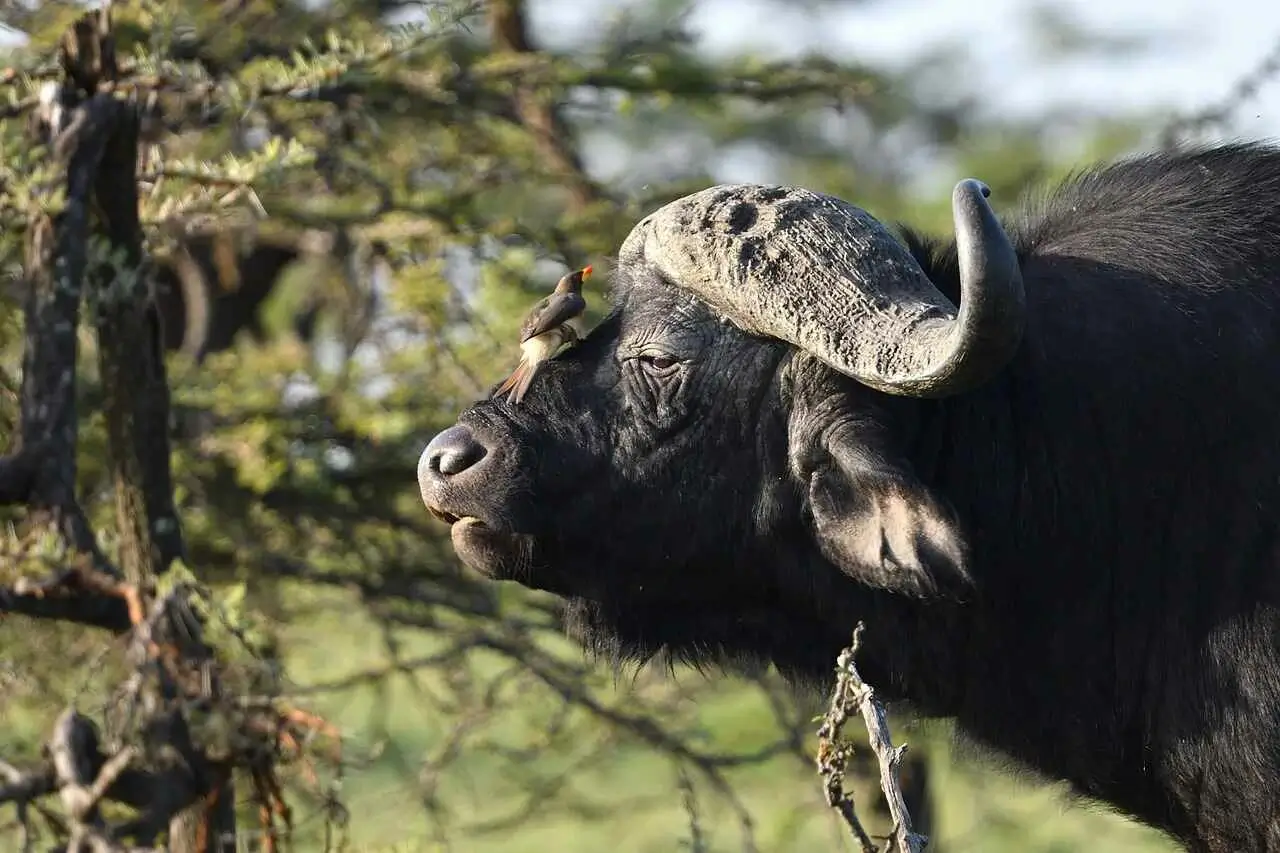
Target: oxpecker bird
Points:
x,y
544,330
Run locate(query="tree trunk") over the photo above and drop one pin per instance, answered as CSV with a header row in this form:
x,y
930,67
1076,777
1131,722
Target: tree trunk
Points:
x,y
136,401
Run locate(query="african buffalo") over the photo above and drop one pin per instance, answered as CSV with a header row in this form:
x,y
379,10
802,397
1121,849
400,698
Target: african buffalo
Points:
x,y
1056,508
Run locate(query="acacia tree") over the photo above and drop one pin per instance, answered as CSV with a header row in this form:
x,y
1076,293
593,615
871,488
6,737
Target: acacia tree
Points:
x,y
106,184
225,183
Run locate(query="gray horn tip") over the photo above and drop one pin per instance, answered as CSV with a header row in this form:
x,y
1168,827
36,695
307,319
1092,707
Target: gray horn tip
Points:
x,y
972,185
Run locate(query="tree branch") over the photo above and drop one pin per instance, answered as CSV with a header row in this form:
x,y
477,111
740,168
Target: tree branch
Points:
x,y
76,593
21,789
57,249
135,387
853,695
131,362
163,768
93,610
537,110
83,776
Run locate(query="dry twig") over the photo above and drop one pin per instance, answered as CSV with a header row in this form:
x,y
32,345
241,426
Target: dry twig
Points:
x,y
853,696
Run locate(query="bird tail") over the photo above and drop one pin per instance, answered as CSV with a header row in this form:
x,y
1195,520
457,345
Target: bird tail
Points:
x,y
510,381
518,382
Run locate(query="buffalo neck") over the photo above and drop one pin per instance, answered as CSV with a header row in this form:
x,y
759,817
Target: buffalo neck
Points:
x,y
1088,548
1041,557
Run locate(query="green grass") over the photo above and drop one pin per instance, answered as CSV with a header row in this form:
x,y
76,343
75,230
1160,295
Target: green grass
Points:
x,y
627,797
637,803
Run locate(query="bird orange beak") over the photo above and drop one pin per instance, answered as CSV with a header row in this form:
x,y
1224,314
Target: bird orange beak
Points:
x,y
586,272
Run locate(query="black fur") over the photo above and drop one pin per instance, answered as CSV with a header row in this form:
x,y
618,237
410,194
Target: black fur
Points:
x,y
1080,562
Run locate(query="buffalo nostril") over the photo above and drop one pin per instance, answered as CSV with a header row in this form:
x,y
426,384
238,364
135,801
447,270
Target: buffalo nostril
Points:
x,y
452,451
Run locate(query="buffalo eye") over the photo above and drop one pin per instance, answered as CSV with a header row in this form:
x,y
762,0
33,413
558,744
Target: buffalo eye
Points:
x,y
658,364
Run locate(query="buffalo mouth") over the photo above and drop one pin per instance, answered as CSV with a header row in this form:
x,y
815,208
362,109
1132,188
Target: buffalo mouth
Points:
x,y
496,553
483,548
448,517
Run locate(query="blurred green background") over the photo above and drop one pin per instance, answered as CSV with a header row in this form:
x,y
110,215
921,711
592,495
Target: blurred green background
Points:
x,y
487,147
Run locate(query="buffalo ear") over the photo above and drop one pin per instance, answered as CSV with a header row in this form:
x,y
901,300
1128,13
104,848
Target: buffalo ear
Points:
x,y
878,523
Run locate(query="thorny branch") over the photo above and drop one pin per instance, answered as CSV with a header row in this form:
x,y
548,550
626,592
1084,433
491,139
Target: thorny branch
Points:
x,y
853,696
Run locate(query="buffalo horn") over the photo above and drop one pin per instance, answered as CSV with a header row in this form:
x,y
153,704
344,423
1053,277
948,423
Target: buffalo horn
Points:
x,y
824,275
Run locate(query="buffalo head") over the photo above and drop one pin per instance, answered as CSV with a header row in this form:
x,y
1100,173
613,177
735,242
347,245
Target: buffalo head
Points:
x,y
721,466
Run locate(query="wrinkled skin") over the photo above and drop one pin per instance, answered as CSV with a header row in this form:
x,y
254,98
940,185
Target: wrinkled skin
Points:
x,y
1077,561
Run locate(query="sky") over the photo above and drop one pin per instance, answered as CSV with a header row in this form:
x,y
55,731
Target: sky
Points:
x,y
1198,53
1202,51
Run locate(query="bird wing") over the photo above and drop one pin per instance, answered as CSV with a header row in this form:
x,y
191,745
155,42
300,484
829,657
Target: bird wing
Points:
x,y
551,312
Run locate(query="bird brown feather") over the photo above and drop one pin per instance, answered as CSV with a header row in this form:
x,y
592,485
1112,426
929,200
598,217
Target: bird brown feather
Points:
x,y
518,382
551,312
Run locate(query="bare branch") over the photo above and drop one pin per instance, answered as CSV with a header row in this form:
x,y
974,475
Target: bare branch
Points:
x,y
79,608
21,788
853,695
